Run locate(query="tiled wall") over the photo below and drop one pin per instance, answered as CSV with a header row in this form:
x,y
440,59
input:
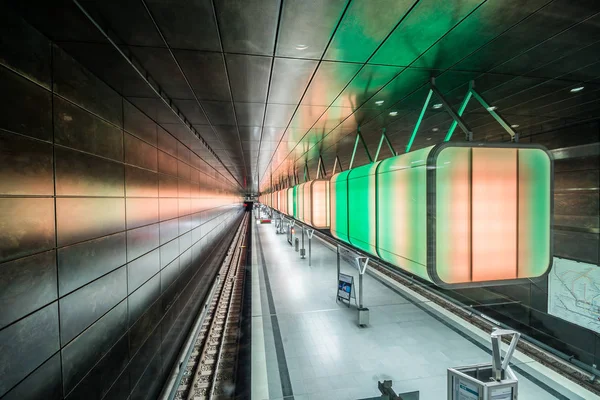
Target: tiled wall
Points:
x,y
109,231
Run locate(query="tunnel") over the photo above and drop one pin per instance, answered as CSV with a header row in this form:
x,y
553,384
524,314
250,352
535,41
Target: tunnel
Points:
x,y
299,199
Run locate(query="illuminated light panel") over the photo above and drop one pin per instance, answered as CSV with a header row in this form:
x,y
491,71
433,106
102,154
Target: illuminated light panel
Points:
x,y
320,204
339,205
535,213
299,198
494,214
307,201
361,208
453,215
402,211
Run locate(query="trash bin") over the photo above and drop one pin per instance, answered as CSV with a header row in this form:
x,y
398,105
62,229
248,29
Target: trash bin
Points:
x,y
296,244
491,381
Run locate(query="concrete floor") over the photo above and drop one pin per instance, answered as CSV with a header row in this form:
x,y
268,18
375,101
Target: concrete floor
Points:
x,y
306,345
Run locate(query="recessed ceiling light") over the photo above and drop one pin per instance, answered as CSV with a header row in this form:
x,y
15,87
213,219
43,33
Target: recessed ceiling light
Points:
x,y
428,138
379,102
394,113
435,129
301,47
514,126
492,108
438,105
577,89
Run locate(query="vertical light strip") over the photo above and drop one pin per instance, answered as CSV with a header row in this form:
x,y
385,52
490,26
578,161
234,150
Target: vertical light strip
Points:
x,y
494,204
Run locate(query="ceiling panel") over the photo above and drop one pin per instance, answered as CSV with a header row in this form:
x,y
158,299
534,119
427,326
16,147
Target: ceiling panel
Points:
x,y
426,23
187,24
206,73
250,114
306,27
160,65
329,80
248,26
365,25
219,113
249,77
289,79
338,65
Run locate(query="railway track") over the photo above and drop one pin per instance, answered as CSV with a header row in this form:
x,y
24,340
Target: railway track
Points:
x,y
211,369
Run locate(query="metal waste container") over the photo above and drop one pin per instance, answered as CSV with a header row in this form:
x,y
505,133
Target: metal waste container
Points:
x,y
495,381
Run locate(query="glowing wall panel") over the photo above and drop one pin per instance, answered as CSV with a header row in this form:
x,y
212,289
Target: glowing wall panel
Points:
x,y
490,216
361,207
402,211
494,214
319,216
535,212
299,197
307,202
339,205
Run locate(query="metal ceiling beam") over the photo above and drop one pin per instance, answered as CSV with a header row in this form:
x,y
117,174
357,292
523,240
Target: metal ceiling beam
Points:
x,y
416,128
457,118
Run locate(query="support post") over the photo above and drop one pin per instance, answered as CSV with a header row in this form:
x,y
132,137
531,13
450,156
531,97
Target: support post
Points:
x,y
363,313
309,233
335,164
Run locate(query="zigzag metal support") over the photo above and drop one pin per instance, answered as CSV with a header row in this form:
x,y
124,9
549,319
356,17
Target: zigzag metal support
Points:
x,y
321,172
387,140
362,140
473,93
335,164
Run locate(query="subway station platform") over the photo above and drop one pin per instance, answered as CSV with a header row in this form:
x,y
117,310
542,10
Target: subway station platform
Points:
x,y
305,345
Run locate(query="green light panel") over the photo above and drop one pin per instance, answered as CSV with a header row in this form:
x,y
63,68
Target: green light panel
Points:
x,y
361,207
402,211
339,205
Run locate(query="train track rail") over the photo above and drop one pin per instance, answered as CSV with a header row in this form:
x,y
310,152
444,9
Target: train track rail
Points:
x,y
211,370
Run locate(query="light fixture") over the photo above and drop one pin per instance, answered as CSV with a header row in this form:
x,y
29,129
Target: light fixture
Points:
x,y
435,129
514,126
492,108
394,113
577,89
437,105
428,138
379,102
301,47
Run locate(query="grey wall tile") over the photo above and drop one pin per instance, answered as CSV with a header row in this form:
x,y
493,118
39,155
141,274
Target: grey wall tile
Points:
x,y
142,298
83,262
138,124
80,86
140,153
84,306
80,174
101,138
25,166
29,111
140,182
81,354
26,284
142,240
80,219
43,383
139,270
141,212
28,226
20,354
